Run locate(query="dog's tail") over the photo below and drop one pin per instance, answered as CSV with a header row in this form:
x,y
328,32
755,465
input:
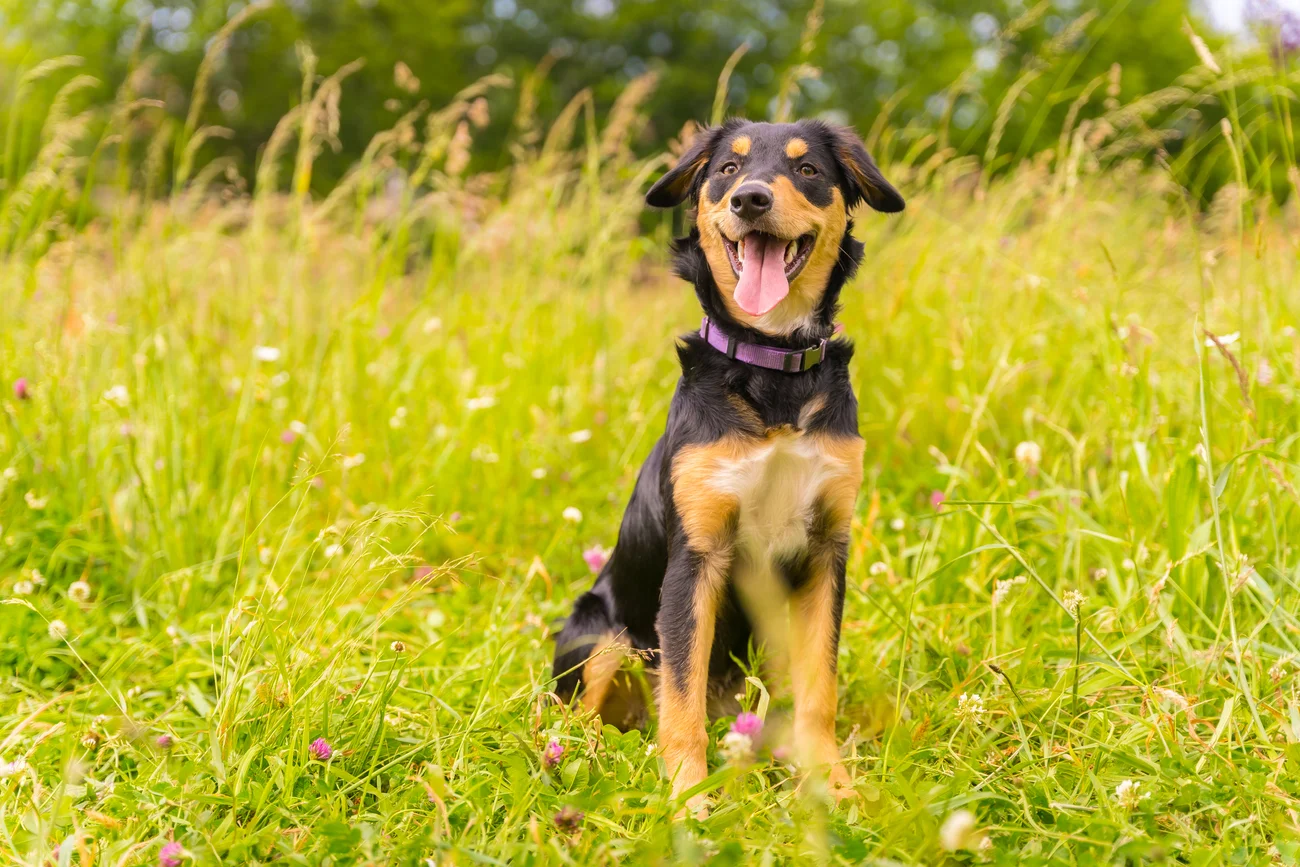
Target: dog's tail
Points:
x,y
589,625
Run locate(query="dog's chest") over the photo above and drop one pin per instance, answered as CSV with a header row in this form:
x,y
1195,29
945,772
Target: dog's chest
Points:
x,y
776,485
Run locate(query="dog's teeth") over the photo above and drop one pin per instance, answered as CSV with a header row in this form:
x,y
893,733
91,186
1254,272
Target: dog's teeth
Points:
x,y
740,250
790,251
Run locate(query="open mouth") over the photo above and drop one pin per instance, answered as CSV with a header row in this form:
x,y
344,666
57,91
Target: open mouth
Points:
x,y
764,266
795,253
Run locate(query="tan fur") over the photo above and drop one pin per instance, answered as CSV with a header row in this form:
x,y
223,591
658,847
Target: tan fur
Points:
x,y
683,713
741,145
795,148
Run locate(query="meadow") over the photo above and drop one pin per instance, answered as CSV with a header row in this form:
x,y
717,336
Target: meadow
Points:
x,y
295,488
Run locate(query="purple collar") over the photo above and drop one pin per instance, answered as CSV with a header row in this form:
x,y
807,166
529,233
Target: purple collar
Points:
x,y
786,360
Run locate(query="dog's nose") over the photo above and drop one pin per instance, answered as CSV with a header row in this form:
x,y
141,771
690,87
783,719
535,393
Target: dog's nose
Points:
x,y
751,201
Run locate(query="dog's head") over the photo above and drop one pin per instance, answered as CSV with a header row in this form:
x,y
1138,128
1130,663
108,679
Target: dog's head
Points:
x,y
772,204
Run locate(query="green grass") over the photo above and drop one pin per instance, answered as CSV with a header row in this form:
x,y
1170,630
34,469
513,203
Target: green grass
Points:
x,y
454,367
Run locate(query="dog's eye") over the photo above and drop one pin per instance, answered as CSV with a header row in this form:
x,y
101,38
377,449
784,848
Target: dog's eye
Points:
x,y
729,169
807,171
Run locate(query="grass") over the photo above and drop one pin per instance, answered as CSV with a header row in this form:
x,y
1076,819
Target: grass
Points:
x,y
312,459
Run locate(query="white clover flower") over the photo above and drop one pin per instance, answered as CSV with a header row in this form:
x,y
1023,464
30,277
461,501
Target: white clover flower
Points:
x,y
970,709
37,578
118,396
333,550
1264,373
353,461
34,502
432,324
298,427
572,514
58,630
580,436
484,454
399,418
898,525
539,472
485,402
1074,600
736,747
24,588
1128,796
878,568
1001,590
79,591
1029,455
1226,340
958,832
1174,698
266,353
1128,565
12,768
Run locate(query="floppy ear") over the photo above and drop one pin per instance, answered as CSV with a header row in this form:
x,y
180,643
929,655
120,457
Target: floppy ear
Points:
x,y
864,178
673,188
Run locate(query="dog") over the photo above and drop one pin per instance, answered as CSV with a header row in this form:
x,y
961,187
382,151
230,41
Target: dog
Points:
x,y
744,504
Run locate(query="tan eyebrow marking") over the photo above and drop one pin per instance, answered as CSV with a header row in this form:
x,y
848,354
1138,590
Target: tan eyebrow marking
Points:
x,y
795,148
741,145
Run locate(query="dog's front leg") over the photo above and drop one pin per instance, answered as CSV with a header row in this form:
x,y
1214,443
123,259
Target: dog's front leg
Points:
x,y
815,611
688,613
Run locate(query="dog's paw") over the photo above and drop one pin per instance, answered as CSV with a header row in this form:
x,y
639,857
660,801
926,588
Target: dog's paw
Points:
x,y
839,785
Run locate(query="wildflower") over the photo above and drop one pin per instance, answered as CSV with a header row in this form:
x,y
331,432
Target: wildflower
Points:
x,y
1225,339
484,454
569,819
321,750
58,630
1277,672
333,550
171,854
958,831
596,557
1001,590
24,588
34,502
1264,373
399,418
1073,601
736,747
748,724
539,473
936,499
580,436
398,647
878,568
164,742
20,388
487,401
1101,573
118,396
353,461
90,740
37,578
552,754
898,525
1128,565
12,768
287,437
1029,455
572,514
1128,796
266,353
970,709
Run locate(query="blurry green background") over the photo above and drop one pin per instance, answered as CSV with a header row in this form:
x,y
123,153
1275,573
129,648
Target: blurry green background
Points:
x,y
943,62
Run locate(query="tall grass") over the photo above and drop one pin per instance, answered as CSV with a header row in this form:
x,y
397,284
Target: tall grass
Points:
x,y
282,468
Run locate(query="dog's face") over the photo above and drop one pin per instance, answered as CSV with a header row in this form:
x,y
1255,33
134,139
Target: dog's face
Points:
x,y
772,208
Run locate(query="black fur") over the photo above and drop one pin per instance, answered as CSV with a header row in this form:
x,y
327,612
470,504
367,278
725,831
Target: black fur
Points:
x,y
644,593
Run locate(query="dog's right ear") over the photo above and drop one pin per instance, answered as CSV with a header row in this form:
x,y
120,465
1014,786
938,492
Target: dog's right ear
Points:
x,y
680,181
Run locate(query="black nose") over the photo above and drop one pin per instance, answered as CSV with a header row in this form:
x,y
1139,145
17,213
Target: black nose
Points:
x,y
751,201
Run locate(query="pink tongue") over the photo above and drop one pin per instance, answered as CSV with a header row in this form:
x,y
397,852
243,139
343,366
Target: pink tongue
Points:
x,y
762,278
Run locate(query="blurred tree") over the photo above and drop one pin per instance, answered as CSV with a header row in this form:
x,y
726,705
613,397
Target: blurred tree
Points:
x,y
935,63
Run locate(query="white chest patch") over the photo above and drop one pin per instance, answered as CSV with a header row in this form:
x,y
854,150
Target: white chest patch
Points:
x,y
776,486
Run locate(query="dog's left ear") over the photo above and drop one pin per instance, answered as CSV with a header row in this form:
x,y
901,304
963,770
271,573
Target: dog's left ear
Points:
x,y
673,188
865,181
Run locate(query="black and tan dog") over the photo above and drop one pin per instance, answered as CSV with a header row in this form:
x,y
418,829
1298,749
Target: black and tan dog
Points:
x,y
744,504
